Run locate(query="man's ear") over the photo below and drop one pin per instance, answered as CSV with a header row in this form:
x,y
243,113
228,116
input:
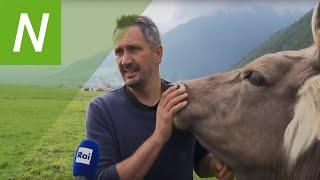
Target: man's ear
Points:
x,y
158,53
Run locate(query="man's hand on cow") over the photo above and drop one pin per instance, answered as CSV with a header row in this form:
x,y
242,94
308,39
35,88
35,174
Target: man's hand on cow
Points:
x,y
221,171
172,101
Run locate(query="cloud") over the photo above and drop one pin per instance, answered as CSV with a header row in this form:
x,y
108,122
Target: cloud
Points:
x,y
169,14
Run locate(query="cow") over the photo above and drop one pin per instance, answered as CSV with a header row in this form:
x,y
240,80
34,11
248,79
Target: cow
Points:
x,y
262,120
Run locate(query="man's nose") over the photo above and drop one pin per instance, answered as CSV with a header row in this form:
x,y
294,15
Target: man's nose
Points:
x,y
126,58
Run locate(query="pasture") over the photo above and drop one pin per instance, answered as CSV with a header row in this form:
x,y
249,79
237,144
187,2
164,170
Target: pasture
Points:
x,y
27,113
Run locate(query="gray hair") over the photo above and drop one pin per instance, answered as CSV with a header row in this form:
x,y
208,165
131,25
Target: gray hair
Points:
x,y
147,26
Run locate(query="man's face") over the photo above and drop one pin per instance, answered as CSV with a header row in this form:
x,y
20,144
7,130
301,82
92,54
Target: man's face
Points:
x,y
135,59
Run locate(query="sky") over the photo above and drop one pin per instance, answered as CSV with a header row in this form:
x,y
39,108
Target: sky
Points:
x,y
169,14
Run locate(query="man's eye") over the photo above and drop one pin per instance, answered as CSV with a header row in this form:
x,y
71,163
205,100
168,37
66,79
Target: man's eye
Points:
x,y
255,78
118,52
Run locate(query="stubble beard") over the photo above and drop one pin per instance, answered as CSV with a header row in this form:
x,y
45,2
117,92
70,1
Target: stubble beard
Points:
x,y
141,82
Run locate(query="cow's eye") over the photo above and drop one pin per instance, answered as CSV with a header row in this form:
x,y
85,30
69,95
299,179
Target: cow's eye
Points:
x,y
255,78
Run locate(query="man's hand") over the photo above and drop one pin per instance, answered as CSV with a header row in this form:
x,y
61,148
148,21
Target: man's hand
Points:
x,y
221,171
210,166
172,101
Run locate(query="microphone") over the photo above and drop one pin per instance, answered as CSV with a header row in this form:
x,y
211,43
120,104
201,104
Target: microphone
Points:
x,y
85,162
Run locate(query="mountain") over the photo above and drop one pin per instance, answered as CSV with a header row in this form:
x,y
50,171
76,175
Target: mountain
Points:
x,y
214,43
75,74
71,75
107,72
294,37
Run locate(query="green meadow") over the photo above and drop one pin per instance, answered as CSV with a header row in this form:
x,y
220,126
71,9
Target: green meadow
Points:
x,y
27,115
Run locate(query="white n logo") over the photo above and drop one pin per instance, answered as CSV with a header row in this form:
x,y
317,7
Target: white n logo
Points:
x,y
36,42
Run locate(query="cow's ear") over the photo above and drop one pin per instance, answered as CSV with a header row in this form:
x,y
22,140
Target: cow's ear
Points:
x,y
315,25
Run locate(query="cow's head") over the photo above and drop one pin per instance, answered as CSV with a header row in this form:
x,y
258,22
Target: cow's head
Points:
x,y
257,115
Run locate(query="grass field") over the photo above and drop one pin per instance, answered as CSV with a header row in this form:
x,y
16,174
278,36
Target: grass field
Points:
x,y
40,130
26,114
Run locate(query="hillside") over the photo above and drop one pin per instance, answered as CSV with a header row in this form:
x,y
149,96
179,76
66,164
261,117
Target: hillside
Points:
x,y
294,37
75,74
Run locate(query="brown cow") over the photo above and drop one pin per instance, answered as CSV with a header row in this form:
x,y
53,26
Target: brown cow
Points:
x,y
263,120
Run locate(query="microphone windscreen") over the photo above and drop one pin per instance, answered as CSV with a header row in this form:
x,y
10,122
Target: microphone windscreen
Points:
x,y
86,159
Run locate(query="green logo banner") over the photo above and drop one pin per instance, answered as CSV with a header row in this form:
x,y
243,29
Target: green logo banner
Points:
x,y
30,33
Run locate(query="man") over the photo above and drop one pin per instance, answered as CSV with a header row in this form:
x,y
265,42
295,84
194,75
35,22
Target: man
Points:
x,y
134,124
